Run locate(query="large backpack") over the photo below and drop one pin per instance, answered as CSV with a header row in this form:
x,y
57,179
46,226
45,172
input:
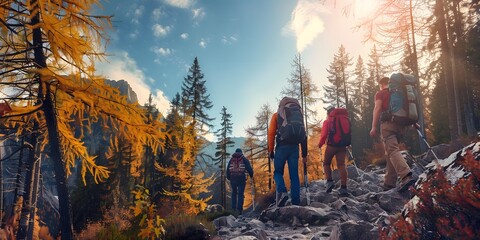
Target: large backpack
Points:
x,y
290,126
403,99
340,130
237,166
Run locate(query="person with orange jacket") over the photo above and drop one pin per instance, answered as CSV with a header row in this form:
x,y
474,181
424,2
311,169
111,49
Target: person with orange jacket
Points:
x,y
285,152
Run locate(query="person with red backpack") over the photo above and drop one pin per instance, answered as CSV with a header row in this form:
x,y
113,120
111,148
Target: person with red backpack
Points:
x,y
236,168
336,133
390,132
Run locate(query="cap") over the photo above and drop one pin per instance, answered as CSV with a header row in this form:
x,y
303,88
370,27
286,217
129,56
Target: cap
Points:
x,y
238,150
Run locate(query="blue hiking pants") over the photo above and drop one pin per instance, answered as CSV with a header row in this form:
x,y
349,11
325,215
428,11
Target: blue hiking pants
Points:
x,y
287,154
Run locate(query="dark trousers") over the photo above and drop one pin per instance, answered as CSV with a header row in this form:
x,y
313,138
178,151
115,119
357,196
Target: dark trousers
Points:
x,y
238,190
339,153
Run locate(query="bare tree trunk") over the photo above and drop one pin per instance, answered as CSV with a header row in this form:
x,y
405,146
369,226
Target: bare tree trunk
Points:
x,y
455,80
19,179
48,108
59,167
416,73
268,157
447,70
2,150
27,196
464,85
34,198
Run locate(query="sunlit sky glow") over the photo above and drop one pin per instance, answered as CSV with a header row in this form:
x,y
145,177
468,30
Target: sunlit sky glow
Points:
x,y
245,48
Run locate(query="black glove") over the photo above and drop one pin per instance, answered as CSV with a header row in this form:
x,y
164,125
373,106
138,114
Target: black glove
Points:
x,y
272,155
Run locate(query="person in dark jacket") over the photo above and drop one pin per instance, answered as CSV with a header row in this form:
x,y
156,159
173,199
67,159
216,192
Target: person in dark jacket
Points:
x,y
236,168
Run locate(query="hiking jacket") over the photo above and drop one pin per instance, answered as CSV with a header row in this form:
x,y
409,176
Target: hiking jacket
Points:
x,y
248,168
325,129
272,132
337,137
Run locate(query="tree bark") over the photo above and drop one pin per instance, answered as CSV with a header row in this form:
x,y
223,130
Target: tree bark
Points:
x,y
59,167
48,108
35,186
421,119
27,196
447,69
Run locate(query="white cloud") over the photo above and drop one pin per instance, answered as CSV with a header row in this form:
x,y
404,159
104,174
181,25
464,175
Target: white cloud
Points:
x,y
184,35
157,13
179,3
160,31
137,13
134,34
306,23
229,40
198,13
121,66
202,43
162,51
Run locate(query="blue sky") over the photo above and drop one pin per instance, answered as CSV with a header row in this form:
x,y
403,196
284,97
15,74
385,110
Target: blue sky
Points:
x,y
245,48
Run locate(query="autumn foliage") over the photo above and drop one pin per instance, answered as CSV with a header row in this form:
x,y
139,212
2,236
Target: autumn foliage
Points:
x,y
442,208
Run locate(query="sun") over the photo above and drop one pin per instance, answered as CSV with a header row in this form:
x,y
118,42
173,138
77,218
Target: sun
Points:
x,y
364,8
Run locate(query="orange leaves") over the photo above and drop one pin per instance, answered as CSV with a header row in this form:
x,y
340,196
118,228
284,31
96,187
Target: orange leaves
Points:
x,y
151,224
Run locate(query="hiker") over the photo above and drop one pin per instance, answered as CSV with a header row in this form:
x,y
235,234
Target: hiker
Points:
x,y
390,132
336,146
285,133
236,168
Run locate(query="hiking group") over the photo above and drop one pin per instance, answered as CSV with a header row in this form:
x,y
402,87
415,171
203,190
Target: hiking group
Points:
x,y
395,109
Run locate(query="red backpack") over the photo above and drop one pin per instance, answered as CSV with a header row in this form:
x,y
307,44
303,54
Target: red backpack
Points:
x,y
237,166
340,131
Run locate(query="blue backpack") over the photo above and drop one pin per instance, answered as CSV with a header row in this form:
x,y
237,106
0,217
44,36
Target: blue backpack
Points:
x,y
403,105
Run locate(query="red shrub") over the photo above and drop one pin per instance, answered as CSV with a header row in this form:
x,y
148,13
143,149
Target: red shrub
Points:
x,y
442,209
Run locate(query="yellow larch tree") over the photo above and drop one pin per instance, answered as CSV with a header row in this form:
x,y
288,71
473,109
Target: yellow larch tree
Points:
x,y
48,50
182,148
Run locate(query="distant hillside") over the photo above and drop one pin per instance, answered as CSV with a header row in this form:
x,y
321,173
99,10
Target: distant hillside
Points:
x,y
125,89
210,148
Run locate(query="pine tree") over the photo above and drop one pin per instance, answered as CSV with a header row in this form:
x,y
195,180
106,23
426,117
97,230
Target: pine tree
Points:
x,y
183,188
195,98
303,89
223,142
337,93
360,127
256,144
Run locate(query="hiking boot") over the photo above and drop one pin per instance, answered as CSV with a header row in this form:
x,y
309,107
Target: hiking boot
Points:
x,y
282,200
330,186
343,192
406,182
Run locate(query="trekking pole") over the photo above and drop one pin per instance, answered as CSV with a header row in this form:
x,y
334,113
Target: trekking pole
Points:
x,y
414,159
253,195
307,193
353,159
417,126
